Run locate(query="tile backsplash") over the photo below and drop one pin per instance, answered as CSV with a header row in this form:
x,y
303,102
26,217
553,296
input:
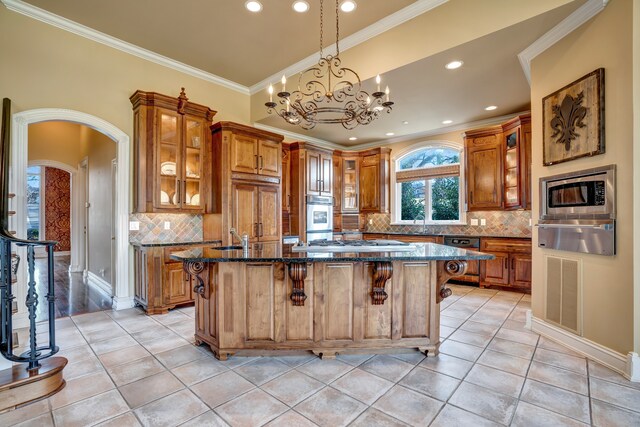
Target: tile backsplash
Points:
x,y
499,223
184,228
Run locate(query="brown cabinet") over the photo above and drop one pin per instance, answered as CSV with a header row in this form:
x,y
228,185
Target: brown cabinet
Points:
x,y
319,173
253,155
172,145
350,184
483,154
517,163
498,166
286,179
247,164
511,266
160,283
374,181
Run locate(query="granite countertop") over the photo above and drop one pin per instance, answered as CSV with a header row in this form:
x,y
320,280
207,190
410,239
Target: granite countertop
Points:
x,y
404,233
161,244
423,252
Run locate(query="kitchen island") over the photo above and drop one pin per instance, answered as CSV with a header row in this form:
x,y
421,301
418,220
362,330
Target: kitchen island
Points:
x,y
327,303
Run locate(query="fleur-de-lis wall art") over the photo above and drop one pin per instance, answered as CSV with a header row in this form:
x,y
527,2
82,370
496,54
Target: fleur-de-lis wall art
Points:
x,y
573,120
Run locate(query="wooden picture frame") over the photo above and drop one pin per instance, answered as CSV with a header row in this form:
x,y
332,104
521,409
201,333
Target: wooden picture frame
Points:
x,y
573,120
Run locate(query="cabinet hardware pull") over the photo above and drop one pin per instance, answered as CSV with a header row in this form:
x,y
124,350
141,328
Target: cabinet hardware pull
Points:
x,y
256,156
255,229
178,188
471,196
260,228
184,192
261,162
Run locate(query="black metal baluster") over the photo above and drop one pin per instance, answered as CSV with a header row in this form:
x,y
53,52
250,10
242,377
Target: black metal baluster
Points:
x,y
51,298
32,303
5,282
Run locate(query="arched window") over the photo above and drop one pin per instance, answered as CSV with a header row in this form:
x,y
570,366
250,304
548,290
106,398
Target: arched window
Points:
x,y
428,185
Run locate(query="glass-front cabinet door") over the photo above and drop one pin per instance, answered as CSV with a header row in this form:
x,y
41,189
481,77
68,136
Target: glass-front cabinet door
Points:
x,y
193,154
169,158
350,184
512,170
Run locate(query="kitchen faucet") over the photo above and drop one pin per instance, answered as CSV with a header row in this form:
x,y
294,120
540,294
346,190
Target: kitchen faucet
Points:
x,y
244,239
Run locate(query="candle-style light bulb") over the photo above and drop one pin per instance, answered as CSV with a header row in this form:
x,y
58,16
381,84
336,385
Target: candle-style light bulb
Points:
x,y
378,81
287,105
270,93
368,100
284,83
387,92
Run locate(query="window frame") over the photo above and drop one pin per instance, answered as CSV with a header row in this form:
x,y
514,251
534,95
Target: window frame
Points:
x,y
395,186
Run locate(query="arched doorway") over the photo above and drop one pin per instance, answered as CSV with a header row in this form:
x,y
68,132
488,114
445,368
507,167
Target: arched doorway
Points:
x,y
123,288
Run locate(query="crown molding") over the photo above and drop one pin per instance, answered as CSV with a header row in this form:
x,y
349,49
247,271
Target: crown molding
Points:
x,y
385,24
386,142
581,15
42,15
299,137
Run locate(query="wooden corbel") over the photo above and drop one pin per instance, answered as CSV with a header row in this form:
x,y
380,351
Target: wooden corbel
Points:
x,y
382,271
195,270
446,271
297,273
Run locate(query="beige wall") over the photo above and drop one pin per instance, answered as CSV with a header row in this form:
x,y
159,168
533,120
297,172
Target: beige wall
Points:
x,y
59,141
636,169
605,41
101,150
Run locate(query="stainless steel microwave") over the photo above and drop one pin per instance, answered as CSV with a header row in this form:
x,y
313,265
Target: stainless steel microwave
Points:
x,y
586,194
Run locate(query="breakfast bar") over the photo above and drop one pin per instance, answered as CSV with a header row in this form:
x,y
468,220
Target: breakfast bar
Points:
x,y
327,301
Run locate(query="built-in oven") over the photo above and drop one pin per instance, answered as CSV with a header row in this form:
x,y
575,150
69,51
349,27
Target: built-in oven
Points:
x,y
578,211
319,220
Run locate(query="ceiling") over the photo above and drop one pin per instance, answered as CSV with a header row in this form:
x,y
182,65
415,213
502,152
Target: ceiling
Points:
x,y
221,37
426,93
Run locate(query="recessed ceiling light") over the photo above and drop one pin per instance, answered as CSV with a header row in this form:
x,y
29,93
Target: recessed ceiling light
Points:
x,y
348,6
253,6
447,122
491,108
353,138
389,133
405,122
300,6
453,65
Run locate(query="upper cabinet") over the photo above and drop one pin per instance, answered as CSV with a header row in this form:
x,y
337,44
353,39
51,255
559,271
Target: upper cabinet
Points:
x,y
350,184
172,144
254,155
374,180
498,166
319,173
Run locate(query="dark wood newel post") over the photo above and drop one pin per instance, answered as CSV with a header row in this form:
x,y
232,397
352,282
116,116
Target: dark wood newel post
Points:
x,y
382,271
297,273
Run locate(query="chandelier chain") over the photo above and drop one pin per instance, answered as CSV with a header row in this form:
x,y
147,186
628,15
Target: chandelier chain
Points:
x,y
321,21
337,31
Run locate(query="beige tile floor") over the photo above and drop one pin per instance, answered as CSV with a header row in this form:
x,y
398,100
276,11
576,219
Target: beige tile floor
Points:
x,y
128,369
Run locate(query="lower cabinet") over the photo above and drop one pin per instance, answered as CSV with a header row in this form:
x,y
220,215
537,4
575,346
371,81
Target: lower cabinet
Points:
x,y
511,266
160,283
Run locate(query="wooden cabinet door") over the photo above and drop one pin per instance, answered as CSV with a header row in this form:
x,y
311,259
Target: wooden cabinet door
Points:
x,y
266,249
269,159
244,205
286,180
313,173
260,297
168,185
349,189
337,185
369,184
177,286
326,175
193,194
268,214
484,177
520,274
244,154
495,271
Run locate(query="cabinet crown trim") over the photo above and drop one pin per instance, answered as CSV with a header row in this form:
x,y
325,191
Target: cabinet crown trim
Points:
x,y
239,128
154,99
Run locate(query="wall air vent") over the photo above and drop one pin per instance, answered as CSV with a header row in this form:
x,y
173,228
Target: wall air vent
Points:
x,y
563,293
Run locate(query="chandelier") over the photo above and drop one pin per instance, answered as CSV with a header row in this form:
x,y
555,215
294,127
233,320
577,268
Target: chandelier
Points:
x,y
329,93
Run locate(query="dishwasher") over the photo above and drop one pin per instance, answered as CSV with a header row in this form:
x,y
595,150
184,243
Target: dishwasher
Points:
x,y
472,276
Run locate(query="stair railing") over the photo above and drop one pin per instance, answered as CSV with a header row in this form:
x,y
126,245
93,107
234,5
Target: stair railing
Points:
x,y
9,266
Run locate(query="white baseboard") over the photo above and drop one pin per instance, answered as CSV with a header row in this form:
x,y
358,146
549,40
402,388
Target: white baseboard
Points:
x,y
62,253
76,269
100,283
592,350
633,366
120,303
